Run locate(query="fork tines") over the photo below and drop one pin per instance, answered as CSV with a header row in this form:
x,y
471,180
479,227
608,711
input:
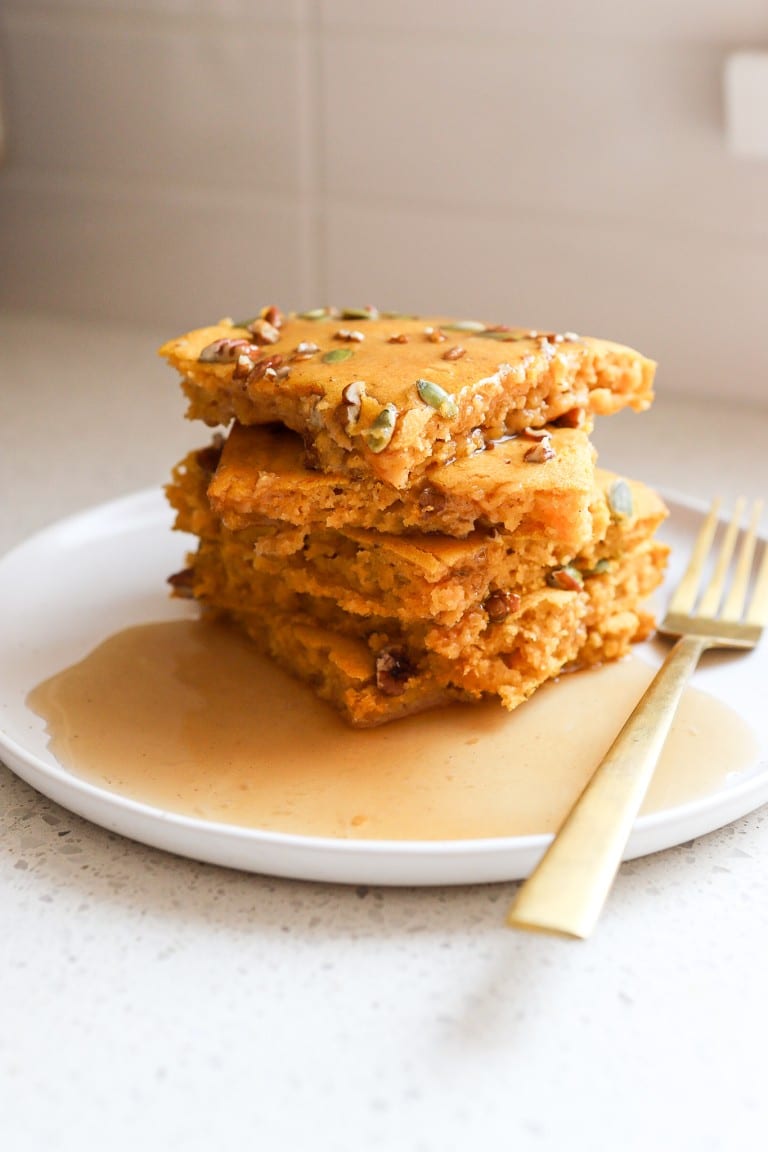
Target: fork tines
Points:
x,y
720,593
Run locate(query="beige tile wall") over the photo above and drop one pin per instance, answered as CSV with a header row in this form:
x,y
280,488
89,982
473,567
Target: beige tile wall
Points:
x,y
554,164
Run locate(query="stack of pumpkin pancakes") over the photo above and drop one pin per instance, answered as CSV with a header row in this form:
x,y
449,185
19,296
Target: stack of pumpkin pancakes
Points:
x,y
406,511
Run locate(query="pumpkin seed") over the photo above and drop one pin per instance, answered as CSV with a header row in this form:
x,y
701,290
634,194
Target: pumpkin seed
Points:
x,y
438,398
381,431
314,314
620,500
359,313
567,578
505,337
464,326
337,354
602,565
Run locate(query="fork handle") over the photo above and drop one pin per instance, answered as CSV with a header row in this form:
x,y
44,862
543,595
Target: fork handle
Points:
x,y
566,891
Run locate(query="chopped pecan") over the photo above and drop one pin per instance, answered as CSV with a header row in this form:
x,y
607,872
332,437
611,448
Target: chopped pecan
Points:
x,y
431,499
263,332
351,401
393,670
273,316
264,365
183,583
540,452
225,350
243,365
500,604
305,350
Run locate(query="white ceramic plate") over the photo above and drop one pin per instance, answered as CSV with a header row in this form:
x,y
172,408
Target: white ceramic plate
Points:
x,y
68,588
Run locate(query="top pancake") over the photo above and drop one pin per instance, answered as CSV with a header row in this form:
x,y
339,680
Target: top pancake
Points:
x,y
385,395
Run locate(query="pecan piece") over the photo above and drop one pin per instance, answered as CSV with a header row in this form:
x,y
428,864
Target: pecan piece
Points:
x,y
500,604
273,316
431,499
305,350
540,452
351,401
265,367
263,332
183,583
393,670
244,365
224,351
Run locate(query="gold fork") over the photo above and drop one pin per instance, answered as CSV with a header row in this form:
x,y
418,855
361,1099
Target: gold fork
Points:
x,y
566,891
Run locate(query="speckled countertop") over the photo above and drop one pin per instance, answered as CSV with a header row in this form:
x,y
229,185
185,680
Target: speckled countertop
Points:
x,y
151,1001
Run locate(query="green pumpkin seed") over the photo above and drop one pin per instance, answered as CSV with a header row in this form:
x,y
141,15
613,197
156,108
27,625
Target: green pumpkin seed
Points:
x,y
602,565
568,578
337,354
620,500
464,326
438,398
359,313
314,314
381,431
505,337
